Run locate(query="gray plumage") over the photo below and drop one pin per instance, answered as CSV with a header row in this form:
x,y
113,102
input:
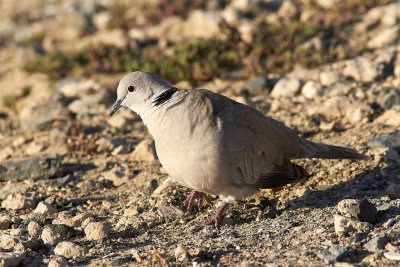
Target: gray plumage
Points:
x,y
215,145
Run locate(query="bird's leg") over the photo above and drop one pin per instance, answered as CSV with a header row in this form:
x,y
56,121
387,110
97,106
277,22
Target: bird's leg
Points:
x,y
193,196
217,216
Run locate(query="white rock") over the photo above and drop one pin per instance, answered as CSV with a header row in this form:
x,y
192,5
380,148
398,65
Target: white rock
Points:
x,y
45,209
33,148
230,15
328,3
312,90
327,78
144,151
97,230
101,20
362,69
392,255
69,250
18,201
344,225
59,262
384,37
16,243
286,87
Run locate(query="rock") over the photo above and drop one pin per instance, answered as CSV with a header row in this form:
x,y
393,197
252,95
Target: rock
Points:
x,y
117,176
328,3
58,262
45,209
34,229
101,20
257,85
362,69
388,223
377,243
11,259
363,210
231,15
53,234
286,87
181,253
36,168
17,201
144,151
104,145
392,255
384,37
327,126
69,250
73,221
391,99
386,140
344,225
76,87
390,117
327,78
16,243
393,189
312,90
93,104
5,221
169,212
332,254
97,230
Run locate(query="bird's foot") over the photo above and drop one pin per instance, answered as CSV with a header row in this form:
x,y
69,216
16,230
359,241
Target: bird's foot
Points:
x,y
193,196
216,218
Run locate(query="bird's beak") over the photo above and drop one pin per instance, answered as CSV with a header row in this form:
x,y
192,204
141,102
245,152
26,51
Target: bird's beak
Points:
x,y
116,106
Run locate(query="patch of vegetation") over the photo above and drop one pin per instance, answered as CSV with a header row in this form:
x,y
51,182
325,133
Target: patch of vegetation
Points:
x,y
10,101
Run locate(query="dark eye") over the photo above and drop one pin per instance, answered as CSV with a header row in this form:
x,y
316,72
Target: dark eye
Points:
x,y
131,88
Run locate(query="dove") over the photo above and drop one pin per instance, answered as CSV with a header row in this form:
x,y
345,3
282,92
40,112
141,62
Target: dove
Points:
x,y
215,145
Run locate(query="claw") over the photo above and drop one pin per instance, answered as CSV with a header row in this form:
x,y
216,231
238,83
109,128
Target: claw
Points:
x,y
193,196
215,220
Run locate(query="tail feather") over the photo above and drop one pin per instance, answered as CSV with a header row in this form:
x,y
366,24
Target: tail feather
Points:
x,y
317,150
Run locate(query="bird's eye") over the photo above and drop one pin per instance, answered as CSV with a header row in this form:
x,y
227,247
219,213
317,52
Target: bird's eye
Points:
x,y
131,88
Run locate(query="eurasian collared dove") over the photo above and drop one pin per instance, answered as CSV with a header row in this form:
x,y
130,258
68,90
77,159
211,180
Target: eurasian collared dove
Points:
x,y
215,145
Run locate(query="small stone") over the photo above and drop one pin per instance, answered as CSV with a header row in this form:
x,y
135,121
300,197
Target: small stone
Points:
x,y
45,209
69,250
97,230
327,126
377,243
117,176
386,140
104,145
136,255
170,212
58,262
257,85
362,69
312,90
17,201
344,226
391,99
332,254
11,259
16,243
72,221
144,151
392,255
181,253
286,87
388,223
327,78
55,233
101,20
33,148
34,229
5,222
384,37
391,248
393,189
363,210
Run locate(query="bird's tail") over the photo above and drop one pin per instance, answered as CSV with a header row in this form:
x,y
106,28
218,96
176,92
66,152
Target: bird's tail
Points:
x,y
317,150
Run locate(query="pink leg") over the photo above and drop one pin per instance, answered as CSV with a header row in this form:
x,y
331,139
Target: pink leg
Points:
x,y
193,196
217,216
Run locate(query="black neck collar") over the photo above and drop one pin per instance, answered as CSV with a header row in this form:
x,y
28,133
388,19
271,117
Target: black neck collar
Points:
x,y
164,96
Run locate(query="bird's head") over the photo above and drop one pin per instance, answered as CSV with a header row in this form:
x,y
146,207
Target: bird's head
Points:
x,y
137,89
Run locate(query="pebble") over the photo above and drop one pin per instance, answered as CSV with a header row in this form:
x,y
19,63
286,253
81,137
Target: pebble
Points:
x,y
10,259
170,212
257,85
362,69
5,221
363,210
144,151
69,250
377,243
97,230
34,229
58,262
53,234
386,140
332,254
286,87
388,223
312,90
45,209
344,226
391,99
104,145
181,253
16,243
73,221
392,255
17,201
117,176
